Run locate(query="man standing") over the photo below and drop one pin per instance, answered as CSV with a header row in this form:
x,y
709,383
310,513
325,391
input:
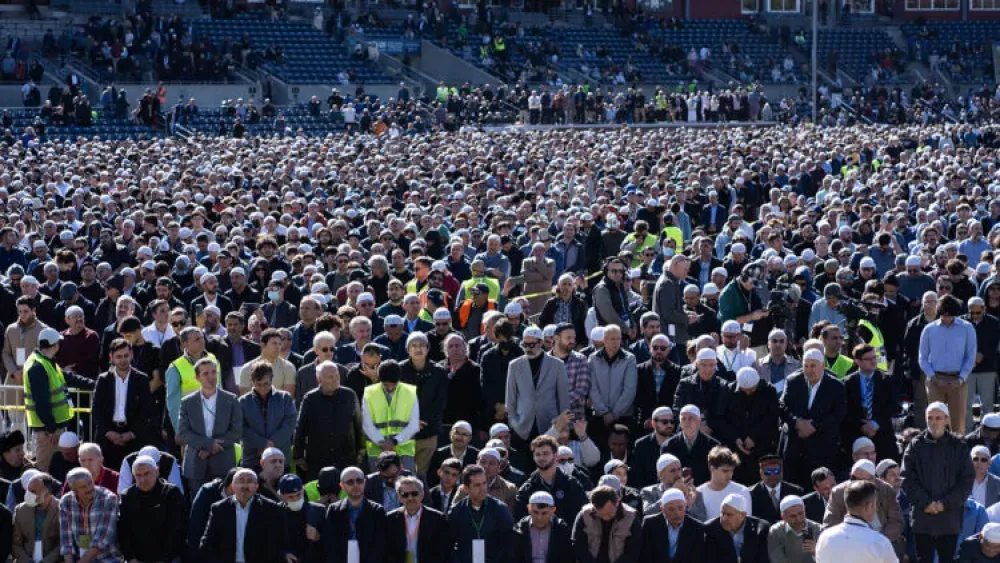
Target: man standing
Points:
x,y
672,535
537,388
329,430
181,379
80,346
612,385
268,416
854,539
734,536
431,383
947,357
569,494
668,300
768,493
354,523
46,398
812,409
776,366
888,518
691,445
122,407
793,538
871,404
542,536
606,529
414,532
983,379
153,521
751,424
88,520
390,415
911,348
246,527
459,448
646,451
481,526
211,424
282,370
937,477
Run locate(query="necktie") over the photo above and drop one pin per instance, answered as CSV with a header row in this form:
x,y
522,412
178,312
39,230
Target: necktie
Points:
x,y
867,390
774,499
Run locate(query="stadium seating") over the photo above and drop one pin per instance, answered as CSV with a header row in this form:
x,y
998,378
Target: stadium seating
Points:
x,y
310,55
105,127
857,50
972,39
297,117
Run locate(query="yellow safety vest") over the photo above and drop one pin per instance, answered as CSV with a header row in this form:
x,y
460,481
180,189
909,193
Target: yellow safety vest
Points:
x,y
676,235
189,383
442,93
878,343
493,284
649,241
391,419
58,393
841,366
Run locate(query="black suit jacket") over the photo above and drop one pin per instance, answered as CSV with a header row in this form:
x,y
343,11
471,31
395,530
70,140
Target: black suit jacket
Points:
x,y
695,271
760,498
370,532
719,542
696,458
883,407
264,540
642,462
138,406
560,542
433,538
221,301
435,499
711,397
442,454
815,507
646,397
720,216
656,541
827,414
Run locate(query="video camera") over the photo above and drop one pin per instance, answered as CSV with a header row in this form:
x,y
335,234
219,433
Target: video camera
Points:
x,y
856,310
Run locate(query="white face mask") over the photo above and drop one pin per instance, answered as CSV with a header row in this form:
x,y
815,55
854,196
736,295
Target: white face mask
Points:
x,y
296,505
668,252
273,295
566,467
30,498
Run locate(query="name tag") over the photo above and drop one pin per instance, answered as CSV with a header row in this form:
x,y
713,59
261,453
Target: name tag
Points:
x,y
671,331
83,542
19,356
353,552
478,551
37,555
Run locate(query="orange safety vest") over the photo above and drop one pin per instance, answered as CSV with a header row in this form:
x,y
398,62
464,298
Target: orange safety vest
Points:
x,y
466,308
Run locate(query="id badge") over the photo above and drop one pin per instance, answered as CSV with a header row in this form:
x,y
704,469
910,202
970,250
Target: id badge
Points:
x,y
353,552
748,327
20,355
478,551
37,555
83,542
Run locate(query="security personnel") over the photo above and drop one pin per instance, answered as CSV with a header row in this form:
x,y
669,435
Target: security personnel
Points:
x,y
46,398
672,231
180,379
837,363
478,269
875,340
391,415
476,307
442,92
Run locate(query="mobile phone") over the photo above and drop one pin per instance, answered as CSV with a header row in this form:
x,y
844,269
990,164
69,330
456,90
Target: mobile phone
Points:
x,y
807,534
517,280
685,473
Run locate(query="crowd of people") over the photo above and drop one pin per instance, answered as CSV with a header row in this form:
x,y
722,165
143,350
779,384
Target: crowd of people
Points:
x,y
737,344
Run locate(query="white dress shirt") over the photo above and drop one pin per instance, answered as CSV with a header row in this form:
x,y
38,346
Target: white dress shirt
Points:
x,y
813,389
121,395
854,541
412,529
208,412
153,335
735,359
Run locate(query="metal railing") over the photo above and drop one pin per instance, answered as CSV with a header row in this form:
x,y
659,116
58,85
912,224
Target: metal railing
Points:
x,y
14,418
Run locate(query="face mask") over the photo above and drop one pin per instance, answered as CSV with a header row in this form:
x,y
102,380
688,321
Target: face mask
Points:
x,y
668,252
30,498
273,295
566,467
296,505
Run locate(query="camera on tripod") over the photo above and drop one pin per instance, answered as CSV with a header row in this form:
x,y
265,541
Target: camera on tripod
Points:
x,y
856,310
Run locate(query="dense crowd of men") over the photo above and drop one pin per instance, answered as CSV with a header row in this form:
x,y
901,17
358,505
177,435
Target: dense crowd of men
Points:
x,y
773,344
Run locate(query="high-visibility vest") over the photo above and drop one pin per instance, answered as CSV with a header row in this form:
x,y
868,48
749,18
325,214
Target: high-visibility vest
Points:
x,y
675,234
391,419
189,383
442,93
58,393
648,241
411,286
841,366
492,283
878,343
499,44
466,308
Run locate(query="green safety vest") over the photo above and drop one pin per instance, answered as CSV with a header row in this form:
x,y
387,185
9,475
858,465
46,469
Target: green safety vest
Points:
x,y
58,393
189,383
676,234
841,366
492,282
499,44
391,419
312,492
442,93
878,343
650,240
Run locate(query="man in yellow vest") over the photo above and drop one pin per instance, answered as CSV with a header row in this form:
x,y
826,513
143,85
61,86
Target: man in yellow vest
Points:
x,y
180,377
469,320
46,398
478,269
390,416
833,341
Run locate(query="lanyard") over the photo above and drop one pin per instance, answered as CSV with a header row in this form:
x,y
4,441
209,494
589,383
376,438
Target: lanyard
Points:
x,y
478,526
412,538
85,515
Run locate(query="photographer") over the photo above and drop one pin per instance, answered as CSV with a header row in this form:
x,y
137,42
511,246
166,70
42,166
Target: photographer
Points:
x,y
739,301
826,309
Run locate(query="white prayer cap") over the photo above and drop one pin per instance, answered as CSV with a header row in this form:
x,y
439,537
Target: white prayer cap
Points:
x,y
672,495
710,289
498,428
991,532
28,475
597,334
533,332
461,424
790,501
271,452
884,466
660,411
541,497
866,465
144,460
69,440
706,354
747,378
152,452
736,502
912,261
691,288
610,481
691,409
490,452
867,262
613,464
731,327
661,338
739,248
992,421
862,442
349,471
980,449
813,355
564,450
665,461
720,272
937,406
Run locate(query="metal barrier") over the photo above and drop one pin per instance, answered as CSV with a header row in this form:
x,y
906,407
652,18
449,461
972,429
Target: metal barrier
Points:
x,y
13,412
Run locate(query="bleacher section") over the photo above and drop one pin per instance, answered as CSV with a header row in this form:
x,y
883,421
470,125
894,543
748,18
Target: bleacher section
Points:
x,y
105,127
310,56
858,51
207,122
972,53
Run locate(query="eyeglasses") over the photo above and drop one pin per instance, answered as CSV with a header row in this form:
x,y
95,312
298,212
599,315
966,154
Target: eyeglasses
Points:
x,y
354,481
325,349
531,344
777,340
771,471
664,348
409,494
981,459
177,324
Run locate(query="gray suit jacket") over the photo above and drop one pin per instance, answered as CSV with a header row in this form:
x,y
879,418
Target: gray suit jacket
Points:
x,y
992,490
651,502
191,430
278,428
528,405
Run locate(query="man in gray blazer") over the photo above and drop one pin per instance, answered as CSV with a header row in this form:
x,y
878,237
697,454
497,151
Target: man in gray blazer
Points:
x,y
268,417
537,388
210,426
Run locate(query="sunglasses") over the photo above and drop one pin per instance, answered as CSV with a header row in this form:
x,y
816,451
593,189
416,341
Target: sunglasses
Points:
x,y
325,349
981,459
771,471
409,494
175,325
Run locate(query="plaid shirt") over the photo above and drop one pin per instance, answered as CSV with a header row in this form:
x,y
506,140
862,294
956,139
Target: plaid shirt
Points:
x,y
102,525
578,374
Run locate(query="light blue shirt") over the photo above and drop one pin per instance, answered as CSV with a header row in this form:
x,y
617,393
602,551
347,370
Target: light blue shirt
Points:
x,y
673,534
823,312
948,348
973,249
242,516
